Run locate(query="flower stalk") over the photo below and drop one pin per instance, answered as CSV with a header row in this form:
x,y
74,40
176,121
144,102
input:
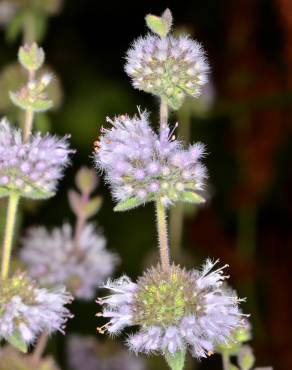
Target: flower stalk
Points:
x,y
162,235
8,234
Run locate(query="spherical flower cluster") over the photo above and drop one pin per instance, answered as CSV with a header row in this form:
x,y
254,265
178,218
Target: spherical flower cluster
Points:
x,y
144,166
27,311
86,353
31,169
80,267
170,67
174,310
12,359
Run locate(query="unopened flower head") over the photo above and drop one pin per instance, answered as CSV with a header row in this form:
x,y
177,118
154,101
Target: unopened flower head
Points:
x,y
141,165
31,169
27,311
80,267
175,310
12,359
169,67
87,353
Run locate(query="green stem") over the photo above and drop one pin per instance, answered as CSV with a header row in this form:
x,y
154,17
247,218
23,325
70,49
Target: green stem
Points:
x,y
177,213
40,347
163,112
225,361
27,125
29,28
162,235
8,234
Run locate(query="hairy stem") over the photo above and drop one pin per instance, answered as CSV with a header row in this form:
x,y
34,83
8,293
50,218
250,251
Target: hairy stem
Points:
x,y
40,347
27,125
80,221
163,112
225,361
8,234
162,235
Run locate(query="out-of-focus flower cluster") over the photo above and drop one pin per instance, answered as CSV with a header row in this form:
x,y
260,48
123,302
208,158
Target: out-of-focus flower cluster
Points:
x,y
31,168
26,310
86,353
174,310
142,166
11,359
80,267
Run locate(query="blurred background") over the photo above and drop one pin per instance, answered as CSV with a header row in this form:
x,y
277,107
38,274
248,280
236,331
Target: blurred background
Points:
x,y
245,119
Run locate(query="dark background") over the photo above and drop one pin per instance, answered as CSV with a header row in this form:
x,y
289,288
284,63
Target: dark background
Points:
x,y
247,221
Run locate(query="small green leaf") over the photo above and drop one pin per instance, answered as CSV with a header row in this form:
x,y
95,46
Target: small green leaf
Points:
x,y
38,194
160,25
128,204
31,56
75,201
17,341
175,361
246,358
4,192
86,180
93,206
191,197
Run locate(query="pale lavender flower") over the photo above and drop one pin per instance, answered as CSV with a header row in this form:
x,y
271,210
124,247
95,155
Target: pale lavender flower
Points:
x,y
86,353
144,166
31,169
27,310
175,310
80,267
170,67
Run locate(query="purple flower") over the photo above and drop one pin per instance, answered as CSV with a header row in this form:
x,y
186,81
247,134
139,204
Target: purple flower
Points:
x,y
174,310
170,67
142,165
31,169
28,310
86,353
81,268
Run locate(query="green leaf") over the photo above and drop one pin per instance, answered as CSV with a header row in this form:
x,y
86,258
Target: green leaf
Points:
x,y
14,27
86,180
128,204
4,192
175,361
17,341
160,25
191,197
93,206
246,358
31,57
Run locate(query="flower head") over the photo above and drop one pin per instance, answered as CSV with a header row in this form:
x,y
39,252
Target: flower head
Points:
x,y
12,359
86,353
169,67
31,169
174,310
27,311
81,268
142,166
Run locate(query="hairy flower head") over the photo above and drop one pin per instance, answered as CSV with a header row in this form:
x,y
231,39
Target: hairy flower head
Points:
x,y
80,267
174,310
31,169
143,166
170,67
26,310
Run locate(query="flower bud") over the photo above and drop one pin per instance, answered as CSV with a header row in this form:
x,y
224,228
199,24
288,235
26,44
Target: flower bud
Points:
x,y
31,57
